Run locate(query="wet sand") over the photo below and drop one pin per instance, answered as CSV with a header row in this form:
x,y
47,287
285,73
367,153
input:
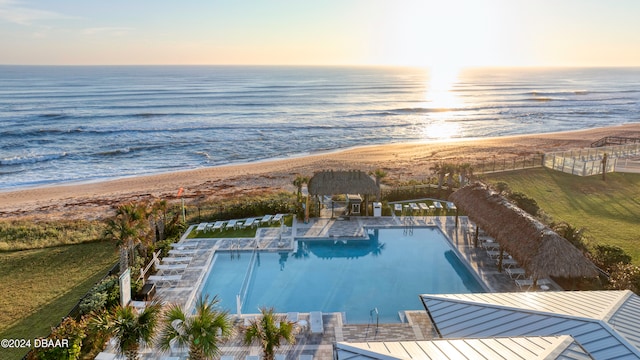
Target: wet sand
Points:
x,y
402,162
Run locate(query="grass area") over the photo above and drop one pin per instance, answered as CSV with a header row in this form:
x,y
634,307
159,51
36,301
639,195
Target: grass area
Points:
x,y
237,233
23,234
40,286
608,210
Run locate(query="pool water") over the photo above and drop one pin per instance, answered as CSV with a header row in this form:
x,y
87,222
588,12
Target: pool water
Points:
x,y
386,272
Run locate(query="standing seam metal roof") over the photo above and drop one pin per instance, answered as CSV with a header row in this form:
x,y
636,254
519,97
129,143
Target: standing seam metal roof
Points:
x,y
584,315
550,347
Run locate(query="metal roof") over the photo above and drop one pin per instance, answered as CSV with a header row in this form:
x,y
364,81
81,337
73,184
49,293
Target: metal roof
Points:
x,y
535,347
605,323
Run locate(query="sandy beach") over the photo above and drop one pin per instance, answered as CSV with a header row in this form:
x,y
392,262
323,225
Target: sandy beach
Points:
x,y
402,162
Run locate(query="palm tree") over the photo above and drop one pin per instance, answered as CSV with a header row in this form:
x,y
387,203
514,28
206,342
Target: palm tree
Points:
x,y
201,332
298,182
128,326
127,229
269,331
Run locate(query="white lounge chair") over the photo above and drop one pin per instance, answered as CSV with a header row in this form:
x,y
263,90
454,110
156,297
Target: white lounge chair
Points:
x,y
507,263
423,206
250,222
201,226
293,316
414,207
227,357
450,205
397,207
266,219
172,268
305,357
182,252
171,279
179,259
495,254
278,217
516,272
232,224
217,226
437,205
315,322
528,283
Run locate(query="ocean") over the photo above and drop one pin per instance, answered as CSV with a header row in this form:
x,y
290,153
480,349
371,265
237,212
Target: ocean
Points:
x,y
61,124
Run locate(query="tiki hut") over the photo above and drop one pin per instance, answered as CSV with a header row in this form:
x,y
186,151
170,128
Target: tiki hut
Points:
x,y
540,251
343,182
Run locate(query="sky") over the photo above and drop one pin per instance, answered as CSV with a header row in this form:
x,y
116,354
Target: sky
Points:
x,y
454,33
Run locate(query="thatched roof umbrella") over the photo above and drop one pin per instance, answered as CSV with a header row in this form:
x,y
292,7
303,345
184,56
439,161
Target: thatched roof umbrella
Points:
x,y
536,247
342,182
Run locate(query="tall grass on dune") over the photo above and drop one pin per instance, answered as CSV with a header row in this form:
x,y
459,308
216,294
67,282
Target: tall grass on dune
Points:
x,y
29,234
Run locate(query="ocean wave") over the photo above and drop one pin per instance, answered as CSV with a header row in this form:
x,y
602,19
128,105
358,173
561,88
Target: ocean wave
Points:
x,y
30,159
114,152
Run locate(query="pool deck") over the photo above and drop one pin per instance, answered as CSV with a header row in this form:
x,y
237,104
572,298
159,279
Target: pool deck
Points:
x,y
418,326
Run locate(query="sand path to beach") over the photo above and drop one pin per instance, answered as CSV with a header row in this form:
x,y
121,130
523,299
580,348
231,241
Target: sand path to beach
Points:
x,y
402,162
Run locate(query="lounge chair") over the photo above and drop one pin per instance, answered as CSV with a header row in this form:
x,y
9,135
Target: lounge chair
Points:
x,y
171,279
293,316
179,259
424,207
232,224
450,205
182,252
507,263
490,245
437,205
397,207
218,226
305,357
527,284
315,322
227,357
201,226
250,222
516,272
414,207
266,219
172,268
278,217
495,254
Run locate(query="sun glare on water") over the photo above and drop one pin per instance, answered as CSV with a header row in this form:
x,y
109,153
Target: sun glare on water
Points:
x,y
440,97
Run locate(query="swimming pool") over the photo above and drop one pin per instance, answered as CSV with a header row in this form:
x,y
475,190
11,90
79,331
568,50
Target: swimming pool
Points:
x,y
386,272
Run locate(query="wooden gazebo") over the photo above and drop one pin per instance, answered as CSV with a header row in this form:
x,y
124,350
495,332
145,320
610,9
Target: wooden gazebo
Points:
x,y
343,182
535,246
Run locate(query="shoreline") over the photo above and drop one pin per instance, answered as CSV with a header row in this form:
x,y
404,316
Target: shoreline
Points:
x,y
306,154
403,161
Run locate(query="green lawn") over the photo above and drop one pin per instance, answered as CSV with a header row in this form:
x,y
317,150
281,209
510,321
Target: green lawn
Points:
x,y
609,210
40,286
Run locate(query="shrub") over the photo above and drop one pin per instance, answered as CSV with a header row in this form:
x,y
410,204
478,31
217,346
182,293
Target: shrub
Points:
x,y
70,331
104,294
525,203
608,256
625,277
